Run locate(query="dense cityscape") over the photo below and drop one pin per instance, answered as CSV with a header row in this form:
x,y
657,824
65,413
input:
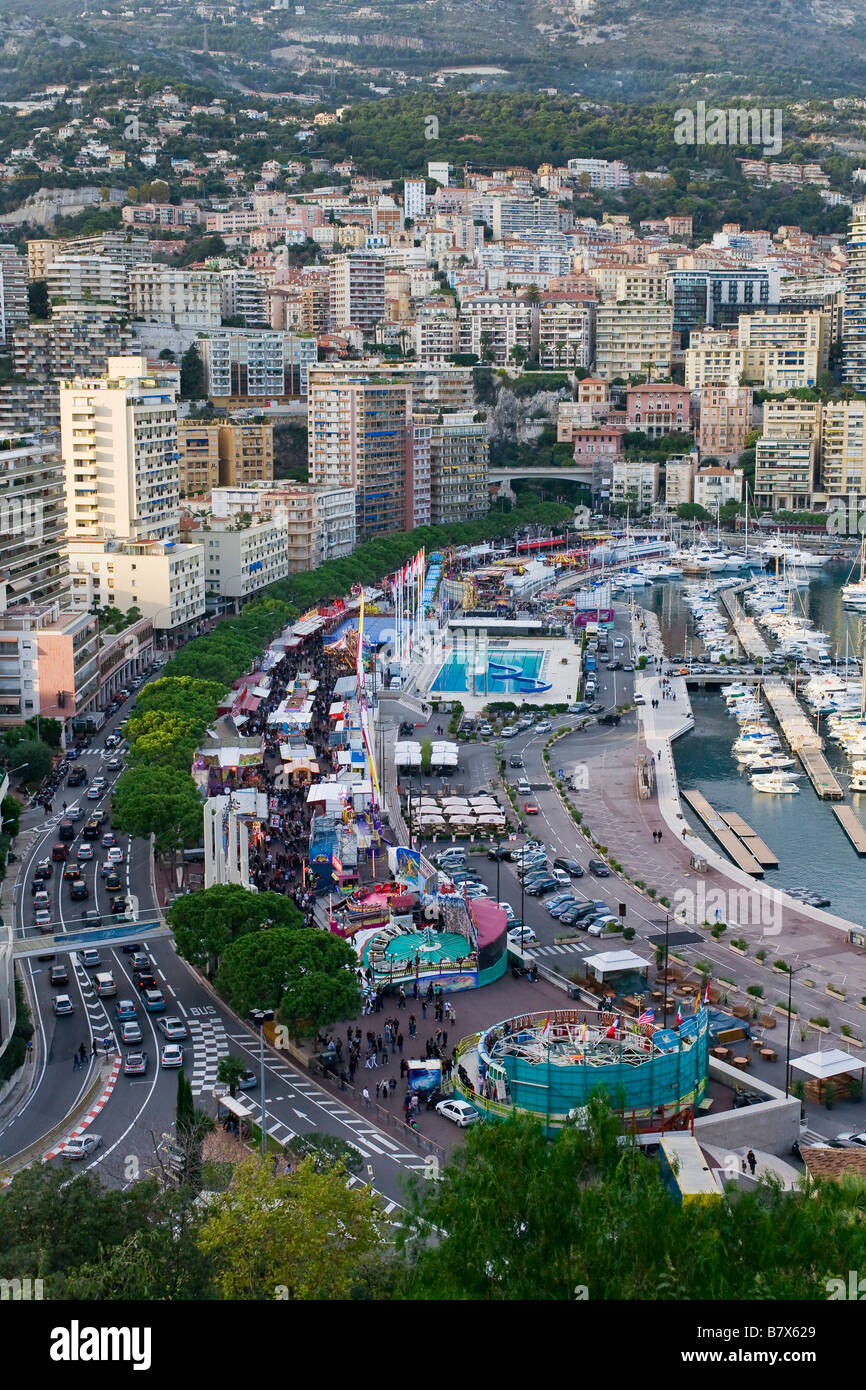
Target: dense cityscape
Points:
x,y
431,571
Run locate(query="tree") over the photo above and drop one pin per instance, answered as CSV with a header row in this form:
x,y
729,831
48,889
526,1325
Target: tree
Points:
x,y
426,755
191,1128
159,801
205,923
163,738
693,511
230,1071
307,1234
254,969
38,303
192,381
321,985
195,699
32,761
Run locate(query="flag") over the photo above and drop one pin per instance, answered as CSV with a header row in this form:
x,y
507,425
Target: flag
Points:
x,y
611,1032
545,1032
697,1001
647,1016
707,991
679,1017
583,1031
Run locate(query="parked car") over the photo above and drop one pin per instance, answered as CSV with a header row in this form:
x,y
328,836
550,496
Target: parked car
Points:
x,y
500,852
850,1139
82,1146
540,887
561,876
458,1111
522,936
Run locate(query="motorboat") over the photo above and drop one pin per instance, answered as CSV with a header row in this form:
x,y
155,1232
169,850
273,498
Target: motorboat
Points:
x,y
776,783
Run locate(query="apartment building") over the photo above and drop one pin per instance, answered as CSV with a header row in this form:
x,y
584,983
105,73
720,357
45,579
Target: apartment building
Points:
x,y
186,214
244,296
459,462
32,522
436,332
246,454
13,292
601,173
566,334
241,557
86,280
182,298
49,660
657,409
679,481
119,443
418,474
706,298
198,463
76,341
122,248
40,253
787,339
243,365
725,419
843,449
635,481
786,473
497,327
645,284
713,487
359,436
165,580
854,316
358,290
415,198
319,521
633,340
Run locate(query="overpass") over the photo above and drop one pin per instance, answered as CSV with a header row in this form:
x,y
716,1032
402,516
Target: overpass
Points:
x,y
571,475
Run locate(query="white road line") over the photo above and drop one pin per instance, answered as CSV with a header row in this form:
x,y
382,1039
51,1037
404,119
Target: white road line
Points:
x,y
182,1009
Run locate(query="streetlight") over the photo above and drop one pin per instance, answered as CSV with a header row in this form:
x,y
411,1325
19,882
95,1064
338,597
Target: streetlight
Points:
x,y
791,974
261,1017
665,985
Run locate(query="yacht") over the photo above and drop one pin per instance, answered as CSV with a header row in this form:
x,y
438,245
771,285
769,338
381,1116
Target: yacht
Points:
x,y
854,595
776,783
769,761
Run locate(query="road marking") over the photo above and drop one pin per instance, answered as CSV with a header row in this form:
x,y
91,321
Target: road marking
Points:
x,y
182,1009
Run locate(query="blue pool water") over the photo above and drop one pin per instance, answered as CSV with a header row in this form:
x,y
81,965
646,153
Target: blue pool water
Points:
x,y
456,674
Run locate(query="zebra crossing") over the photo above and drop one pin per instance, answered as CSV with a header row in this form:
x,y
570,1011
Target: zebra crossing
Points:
x,y
564,949
209,1043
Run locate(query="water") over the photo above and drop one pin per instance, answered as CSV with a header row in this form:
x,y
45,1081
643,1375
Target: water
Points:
x,y
456,674
802,831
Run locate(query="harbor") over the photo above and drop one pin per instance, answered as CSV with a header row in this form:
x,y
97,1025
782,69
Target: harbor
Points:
x,y
742,845
803,740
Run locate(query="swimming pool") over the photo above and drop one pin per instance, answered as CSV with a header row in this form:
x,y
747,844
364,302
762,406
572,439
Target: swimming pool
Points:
x,y
456,675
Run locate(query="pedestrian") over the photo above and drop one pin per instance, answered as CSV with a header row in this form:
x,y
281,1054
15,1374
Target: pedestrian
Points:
x,y
660,837
400,1043
366,1094
413,1026
76,1061
444,1040
392,1085
93,1049
423,1008
752,1162
404,1068
401,998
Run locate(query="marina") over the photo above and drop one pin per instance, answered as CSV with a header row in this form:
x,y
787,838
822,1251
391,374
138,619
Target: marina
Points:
x,y
852,827
805,741
721,830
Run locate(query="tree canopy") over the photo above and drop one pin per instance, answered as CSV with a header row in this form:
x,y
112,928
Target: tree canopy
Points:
x,y
321,984
159,801
205,923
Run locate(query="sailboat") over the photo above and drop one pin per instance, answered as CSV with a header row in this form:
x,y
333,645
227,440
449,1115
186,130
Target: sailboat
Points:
x,y
854,595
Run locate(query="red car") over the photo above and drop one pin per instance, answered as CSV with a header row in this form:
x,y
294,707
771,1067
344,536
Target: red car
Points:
x,y
530,808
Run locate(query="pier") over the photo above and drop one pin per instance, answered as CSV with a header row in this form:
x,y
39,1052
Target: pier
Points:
x,y
753,842
802,739
852,827
746,629
731,843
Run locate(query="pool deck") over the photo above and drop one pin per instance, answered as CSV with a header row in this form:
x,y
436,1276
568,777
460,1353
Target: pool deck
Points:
x,y
561,667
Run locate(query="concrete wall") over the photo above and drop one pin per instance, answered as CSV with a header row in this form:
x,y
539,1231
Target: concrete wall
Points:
x,y
772,1126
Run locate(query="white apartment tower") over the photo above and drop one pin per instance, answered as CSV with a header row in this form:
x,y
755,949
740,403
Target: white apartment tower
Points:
x,y
358,290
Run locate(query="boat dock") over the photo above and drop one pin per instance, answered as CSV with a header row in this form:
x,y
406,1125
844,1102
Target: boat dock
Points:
x,y
852,827
746,629
754,844
719,828
802,739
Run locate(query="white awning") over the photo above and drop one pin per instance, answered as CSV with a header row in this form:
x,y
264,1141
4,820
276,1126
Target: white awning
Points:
x,y
613,962
823,1065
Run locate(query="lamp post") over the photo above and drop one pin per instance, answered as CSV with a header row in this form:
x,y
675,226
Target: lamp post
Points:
x,y
665,985
791,974
261,1017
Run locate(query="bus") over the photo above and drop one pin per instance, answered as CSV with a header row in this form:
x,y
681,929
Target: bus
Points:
x,y
688,1176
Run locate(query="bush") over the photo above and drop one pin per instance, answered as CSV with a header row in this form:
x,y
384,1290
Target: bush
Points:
x,y
820,1021
781,965
628,935
757,991
12,1058
761,954
740,942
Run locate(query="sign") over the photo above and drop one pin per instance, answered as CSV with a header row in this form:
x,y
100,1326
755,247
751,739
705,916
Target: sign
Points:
x,y
560,772
622,909
219,1090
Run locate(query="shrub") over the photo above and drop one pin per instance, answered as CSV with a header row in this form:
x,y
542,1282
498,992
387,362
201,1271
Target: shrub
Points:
x,y
651,892
628,934
781,965
666,902
757,991
740,942
761,954
820,1021
829,1095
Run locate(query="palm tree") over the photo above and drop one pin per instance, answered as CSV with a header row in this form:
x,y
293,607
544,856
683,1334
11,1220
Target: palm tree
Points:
x,y
230,1071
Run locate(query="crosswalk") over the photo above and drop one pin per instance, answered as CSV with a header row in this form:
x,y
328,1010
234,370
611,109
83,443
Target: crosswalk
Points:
x,y
564,949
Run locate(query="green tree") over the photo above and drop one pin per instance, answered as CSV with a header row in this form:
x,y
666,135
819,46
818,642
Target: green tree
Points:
x,y
159,801
205,923
230,1071
163,738
191,1128
426,755
192,381
692,511
307,1233
32,761
38,303
320,983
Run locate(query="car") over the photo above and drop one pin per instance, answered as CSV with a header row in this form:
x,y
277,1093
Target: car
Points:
x,y
599,868
132,948
613,666
154,1000
509,731
135,1064
82,1146
140,959
75,813
522,936
557,898
599,925
500,852
44,869
143,979
460,1112
90,958
91,915
79,891
115,854
172,1028
539,888
573,917
248,1081
534,871
93,793
530,808
597,708
72,871
58,975
109,840
90,830
59,852
628,666
562,908
98,816
118,905
171,1055
570,866
619,643
561,876
114,764
485,730
113,883
544,727
84,852
850,1139
62,1004
43,921
523,786
476,890
125,1009
516,761
130,1032
611,718
639,700
41,899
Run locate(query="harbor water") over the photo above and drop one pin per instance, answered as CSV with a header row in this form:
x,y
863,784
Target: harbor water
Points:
x,y
812,848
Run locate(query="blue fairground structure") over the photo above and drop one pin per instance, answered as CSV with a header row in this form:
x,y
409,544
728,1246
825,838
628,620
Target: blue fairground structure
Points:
x,y
550,1064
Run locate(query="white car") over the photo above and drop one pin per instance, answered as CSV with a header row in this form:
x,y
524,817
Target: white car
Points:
x,y
82,1146
522,936
599,926
172,1055
459,1111
561,877
115,855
